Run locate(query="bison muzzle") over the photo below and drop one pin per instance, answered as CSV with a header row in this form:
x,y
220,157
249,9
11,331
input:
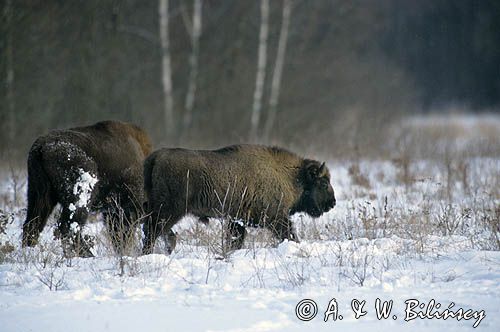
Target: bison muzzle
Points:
x,y
98,167
244,184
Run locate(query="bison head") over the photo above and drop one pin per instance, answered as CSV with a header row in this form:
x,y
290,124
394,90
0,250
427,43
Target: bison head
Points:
x,y
317,195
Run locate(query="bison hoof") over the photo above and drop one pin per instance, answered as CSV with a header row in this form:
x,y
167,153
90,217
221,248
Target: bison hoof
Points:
x,y
77,252
85,253
78,247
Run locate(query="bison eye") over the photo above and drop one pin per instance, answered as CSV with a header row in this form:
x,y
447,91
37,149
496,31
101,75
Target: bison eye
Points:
x,y
324,184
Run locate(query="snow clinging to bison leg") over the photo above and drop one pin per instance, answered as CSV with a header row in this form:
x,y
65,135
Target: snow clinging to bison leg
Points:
x,y
83,191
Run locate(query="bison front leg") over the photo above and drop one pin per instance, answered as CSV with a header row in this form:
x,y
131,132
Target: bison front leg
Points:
x,y
283,230
236,234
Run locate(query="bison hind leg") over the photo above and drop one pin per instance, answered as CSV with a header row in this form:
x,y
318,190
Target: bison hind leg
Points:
x,y
69,229
170,239
77,200
154,228
236,234
39,209
151,233
120,225
41,199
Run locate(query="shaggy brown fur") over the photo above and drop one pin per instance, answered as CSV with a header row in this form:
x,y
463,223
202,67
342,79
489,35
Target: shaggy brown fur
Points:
x,y
262,186
63,166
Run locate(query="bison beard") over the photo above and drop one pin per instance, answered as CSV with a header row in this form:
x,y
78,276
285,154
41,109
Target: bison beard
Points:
x,y
245,184
98,167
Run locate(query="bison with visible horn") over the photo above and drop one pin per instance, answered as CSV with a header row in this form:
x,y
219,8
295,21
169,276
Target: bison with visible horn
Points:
x,y
247,184
98,167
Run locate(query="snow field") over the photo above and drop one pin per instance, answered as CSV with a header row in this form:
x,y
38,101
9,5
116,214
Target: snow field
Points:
x,y
425,232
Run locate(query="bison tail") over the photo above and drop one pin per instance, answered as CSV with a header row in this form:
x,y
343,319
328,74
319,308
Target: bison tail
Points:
x,y
40,198
149,164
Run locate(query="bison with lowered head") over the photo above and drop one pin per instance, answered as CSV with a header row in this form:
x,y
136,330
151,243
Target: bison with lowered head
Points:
x,y
247,184
98,167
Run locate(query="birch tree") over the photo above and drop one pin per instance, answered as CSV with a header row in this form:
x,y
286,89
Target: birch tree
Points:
x,y
166,70
195,32
9,62
261,70
278,69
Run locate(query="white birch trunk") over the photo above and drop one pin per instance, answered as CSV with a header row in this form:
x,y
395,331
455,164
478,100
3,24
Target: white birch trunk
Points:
x,y
261,70
278,69
193,63
166,69
9,63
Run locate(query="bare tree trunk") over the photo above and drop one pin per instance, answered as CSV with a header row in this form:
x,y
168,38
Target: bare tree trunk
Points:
x,y
278,69
261,69
193,63
166,70
9,62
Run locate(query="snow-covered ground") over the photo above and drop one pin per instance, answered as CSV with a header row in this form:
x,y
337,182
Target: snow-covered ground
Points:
x,y
255,290
428,231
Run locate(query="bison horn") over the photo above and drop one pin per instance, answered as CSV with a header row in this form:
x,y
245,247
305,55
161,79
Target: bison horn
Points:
x,y
321,168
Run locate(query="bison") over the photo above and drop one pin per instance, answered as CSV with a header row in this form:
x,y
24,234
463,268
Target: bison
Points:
x,y
93,168
245,184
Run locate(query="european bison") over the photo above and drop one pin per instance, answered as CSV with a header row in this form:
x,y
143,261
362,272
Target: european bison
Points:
x,y
98,167
247,184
